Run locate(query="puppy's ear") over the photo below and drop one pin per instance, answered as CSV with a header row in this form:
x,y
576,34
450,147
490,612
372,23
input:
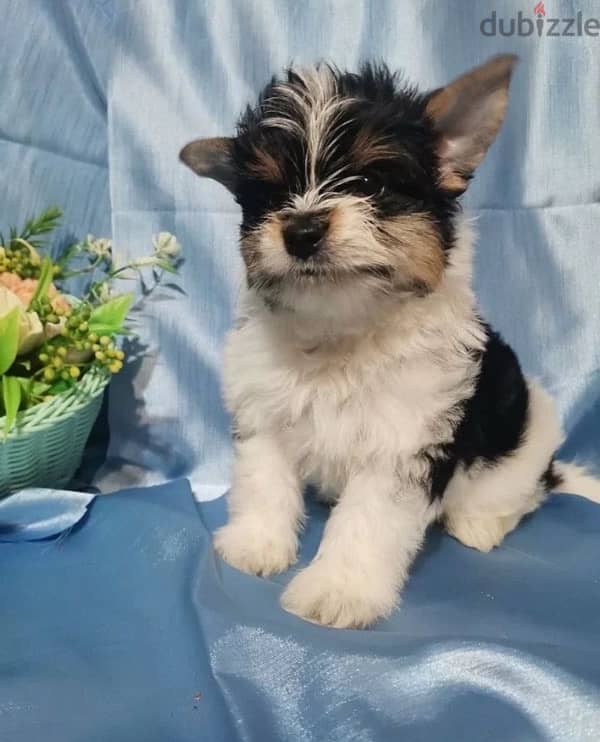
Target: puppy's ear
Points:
x,y
467,115
211,158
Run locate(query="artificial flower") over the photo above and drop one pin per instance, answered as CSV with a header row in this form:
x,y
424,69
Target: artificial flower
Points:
x,y
104,292
64,336
100,247
31,330
166,245
25,288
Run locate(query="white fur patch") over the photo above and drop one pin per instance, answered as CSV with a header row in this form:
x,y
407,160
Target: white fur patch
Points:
x,y
368,545
346,391
484,504
317,102
265,510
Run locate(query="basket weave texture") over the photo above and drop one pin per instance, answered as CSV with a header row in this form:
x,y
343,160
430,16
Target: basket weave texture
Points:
x,y
45,447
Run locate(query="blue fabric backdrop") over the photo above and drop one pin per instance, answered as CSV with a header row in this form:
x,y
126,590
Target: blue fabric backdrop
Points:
x,y
112,632
129,630
99,96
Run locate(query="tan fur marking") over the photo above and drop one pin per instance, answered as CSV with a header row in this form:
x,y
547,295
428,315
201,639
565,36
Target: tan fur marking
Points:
x,y
417,239
263,250
450,180
467,115
494,75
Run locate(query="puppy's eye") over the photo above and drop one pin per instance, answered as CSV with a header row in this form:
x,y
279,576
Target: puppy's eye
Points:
x,y
369,185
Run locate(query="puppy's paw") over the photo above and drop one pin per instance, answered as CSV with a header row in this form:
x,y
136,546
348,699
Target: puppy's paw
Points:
x,y
256,547
482,534
334,595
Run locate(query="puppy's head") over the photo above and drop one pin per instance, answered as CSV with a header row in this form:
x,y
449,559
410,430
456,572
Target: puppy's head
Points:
x,y
348,181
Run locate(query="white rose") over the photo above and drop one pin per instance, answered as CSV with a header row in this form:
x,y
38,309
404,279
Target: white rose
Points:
x,y
166,245
101,247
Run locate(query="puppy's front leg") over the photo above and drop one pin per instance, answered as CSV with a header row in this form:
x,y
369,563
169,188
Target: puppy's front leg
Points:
x,y
368,545
265,509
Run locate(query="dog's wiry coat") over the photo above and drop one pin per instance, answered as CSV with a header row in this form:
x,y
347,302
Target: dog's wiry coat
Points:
x,y
360,363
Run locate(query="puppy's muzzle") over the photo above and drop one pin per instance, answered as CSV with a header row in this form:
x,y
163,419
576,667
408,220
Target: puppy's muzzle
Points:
x,y
303,234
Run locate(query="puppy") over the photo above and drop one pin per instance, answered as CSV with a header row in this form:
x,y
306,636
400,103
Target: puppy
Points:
x,y
360,363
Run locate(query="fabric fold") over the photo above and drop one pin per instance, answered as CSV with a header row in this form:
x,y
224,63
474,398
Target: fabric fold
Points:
x,y
37,513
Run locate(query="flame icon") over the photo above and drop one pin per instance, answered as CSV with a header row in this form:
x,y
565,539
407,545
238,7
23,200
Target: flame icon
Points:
x,y
539,9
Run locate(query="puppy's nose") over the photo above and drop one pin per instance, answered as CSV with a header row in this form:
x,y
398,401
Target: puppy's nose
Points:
x,y
303,235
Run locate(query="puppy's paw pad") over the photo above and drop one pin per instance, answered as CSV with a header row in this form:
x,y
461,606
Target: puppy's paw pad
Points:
x,y
256,548
338,598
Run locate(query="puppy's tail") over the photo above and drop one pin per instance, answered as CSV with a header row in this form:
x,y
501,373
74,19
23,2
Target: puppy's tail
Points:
x,y
573,480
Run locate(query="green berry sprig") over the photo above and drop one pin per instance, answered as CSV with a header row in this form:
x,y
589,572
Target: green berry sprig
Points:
x,y
78,335
106,354
20,260
55,364
77,348
19,254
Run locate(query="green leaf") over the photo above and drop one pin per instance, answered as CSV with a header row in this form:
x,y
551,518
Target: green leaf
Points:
x,y
26,385
39,388
101,329
44,281
9,339
11,398
166,266
42,224
61,386
108,318
68,253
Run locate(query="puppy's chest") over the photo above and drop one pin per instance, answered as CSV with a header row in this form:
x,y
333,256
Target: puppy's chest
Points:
x,y
328,407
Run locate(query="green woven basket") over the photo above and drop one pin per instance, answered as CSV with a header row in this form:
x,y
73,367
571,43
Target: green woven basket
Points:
x,y
45,447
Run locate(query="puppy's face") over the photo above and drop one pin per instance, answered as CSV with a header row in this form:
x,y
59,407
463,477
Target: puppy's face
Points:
x,y
351,181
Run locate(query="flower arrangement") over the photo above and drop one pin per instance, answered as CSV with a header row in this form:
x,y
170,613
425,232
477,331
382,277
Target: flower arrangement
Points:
x,y
51,339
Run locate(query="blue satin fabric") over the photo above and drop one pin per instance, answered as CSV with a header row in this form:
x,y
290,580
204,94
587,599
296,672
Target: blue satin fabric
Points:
x,y
36,513
112,632
99,96
128,629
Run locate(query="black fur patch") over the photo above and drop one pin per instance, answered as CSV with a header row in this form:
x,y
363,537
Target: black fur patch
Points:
x,y
551,479
494,418
379,110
